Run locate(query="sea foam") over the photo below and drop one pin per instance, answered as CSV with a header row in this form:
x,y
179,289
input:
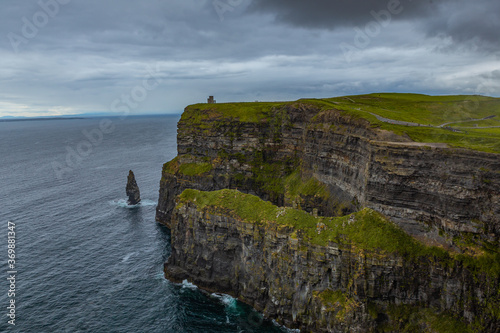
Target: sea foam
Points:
x,y
186,284
124,204
225,299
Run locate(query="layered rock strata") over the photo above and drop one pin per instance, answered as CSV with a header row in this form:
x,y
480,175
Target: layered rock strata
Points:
x,y
342,164
329,163
354,274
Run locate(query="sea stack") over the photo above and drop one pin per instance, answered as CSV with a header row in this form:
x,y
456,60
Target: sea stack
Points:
x,y
134,196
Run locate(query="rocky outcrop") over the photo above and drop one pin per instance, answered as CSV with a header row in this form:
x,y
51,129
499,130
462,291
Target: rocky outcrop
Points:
x,y
133,193
324,283
329,163
429,190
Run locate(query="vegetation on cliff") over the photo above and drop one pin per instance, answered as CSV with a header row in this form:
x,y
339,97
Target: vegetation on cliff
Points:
x,y
365,230
471,122
242,112
326,159
266,176
412,318
193,168
371,236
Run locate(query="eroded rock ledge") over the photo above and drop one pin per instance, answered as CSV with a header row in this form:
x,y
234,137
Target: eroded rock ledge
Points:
x,y
300,156
356,273
329,163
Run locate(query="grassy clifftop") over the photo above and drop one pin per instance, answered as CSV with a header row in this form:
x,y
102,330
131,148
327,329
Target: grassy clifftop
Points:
x,y
471,122
365,230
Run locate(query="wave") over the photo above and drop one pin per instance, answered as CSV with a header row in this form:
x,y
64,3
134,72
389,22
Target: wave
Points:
x,y
102,167
227,300
186,284
289,330
127,257
124,204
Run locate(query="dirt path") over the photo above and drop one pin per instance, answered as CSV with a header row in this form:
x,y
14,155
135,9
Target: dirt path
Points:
x,y
466,121
396,122
407,123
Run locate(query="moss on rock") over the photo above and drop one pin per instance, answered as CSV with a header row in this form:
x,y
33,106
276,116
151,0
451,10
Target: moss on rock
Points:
x,y
366,230
187,169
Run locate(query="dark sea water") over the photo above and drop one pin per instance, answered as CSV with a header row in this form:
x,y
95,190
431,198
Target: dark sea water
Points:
x,y
85,261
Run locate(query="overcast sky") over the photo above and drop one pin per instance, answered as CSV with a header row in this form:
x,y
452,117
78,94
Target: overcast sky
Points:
x,y
157,56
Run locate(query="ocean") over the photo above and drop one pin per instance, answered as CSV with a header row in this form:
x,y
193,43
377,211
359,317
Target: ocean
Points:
x,y
85,261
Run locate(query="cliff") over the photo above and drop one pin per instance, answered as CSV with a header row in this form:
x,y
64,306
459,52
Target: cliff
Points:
x,y
355,273
302,156
318,158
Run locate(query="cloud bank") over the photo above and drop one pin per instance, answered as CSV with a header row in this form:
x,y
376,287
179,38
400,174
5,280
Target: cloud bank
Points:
x,y
74,56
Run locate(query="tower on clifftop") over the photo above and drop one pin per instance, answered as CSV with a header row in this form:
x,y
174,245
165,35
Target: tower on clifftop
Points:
x,y
211,100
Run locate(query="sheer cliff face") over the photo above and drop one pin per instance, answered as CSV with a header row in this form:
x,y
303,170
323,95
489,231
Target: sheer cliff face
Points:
x,y
266,267
339,286
427,190
330,164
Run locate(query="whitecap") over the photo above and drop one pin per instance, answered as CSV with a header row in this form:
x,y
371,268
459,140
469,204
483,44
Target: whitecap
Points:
x,y
147,202
188,285
124,204
127,257
290,330
227,300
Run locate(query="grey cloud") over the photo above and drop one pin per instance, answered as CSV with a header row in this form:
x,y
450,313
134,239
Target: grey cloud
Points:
x,y
475,22
463,20
331,14
94,51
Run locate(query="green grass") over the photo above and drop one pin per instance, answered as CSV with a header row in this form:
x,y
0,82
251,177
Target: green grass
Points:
x,y
479,123
422,109
487,140
268,176
295,186
429,110
413,318
172,166
365,230
337,301
243,112
333,298
195,169
187,169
